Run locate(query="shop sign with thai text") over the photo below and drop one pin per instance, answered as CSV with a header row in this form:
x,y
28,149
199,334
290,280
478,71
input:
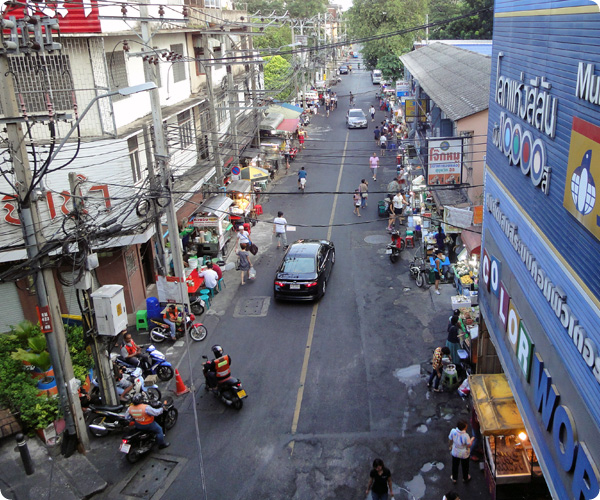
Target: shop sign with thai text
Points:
x,y
444,162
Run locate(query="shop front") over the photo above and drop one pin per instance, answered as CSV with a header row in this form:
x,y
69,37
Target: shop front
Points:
x,y
539,292
242,196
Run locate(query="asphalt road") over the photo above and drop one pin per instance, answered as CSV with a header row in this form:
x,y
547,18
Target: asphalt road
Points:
x,y
331,385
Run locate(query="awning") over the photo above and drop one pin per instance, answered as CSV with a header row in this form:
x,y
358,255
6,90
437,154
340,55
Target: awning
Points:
x,y
495,405
239,186
190,206
254,173
271,121
471,238
289,125
215,205
287,110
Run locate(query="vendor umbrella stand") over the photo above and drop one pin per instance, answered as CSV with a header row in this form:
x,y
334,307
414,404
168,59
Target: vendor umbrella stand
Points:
x,y
254,174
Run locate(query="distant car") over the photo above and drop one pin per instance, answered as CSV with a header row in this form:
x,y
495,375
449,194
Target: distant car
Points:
x,y
304,270
355,55
356,118
343,70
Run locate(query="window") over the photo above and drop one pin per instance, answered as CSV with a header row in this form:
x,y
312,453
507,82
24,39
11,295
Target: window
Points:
x,y
117,72
134,158
186,131
212,4
178,67
221,112
199,54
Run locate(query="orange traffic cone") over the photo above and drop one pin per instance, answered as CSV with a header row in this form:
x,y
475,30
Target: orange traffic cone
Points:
x,y
181,387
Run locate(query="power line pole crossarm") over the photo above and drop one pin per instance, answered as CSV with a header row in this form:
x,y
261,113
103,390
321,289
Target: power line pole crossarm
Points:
x,y
47,297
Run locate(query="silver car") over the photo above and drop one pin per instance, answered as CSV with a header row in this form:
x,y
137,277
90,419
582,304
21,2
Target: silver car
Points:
x,y
355,118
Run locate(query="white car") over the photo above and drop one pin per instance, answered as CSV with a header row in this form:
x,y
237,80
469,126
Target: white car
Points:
x,y
356,118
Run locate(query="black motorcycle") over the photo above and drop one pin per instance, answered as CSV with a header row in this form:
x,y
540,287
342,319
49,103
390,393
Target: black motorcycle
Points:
x,y
229,391
105,419
139,442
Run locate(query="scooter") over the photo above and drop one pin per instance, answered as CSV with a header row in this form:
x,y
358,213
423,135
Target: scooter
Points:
x,y
106,419
229,390
149,391
159,364
394,248
139,442
162,331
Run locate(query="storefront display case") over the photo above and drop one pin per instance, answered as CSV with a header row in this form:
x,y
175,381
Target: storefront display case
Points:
x,y
509,457
466,276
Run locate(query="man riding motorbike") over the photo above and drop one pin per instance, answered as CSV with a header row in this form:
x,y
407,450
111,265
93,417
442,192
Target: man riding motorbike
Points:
x,y
132,354
218,369
172,317
143,415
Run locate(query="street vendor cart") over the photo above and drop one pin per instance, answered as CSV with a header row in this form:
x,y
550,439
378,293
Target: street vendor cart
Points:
x,y
242,197
213,226
510,464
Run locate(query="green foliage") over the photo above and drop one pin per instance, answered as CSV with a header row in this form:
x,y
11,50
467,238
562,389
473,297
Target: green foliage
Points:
x,y
367,18
277,74
41,360
478,27
275,38
391,68
80,354
296,8
35,352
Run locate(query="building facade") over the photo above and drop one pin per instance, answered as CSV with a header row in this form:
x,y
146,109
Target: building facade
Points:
x,y
540,291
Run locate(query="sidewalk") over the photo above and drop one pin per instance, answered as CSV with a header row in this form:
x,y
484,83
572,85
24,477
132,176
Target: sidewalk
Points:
x,y
54,475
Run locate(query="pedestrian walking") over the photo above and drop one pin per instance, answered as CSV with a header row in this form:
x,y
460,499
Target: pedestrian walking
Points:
x,y
372,111
356,201
453,342
363,188
279,230
286,154
376,134
243,236
327,107
461,444
437,367
244,262
437,270
374,163
380,481
301,137
383,144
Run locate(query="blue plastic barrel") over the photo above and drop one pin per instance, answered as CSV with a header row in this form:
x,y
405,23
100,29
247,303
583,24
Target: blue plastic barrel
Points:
x,y
153,307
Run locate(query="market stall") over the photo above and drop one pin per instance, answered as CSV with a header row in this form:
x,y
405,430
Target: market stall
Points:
x,y
469,322
242,197
212,227
509,457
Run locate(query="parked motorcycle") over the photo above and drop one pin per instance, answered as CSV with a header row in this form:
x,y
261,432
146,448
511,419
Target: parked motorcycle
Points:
x,y
197,305
106,419
159,364
396,246
161,330
229,390
149,391
138,442
419,270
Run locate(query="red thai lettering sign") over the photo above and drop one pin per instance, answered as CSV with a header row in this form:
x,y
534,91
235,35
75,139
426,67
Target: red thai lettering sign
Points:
x,y
44,318
76,16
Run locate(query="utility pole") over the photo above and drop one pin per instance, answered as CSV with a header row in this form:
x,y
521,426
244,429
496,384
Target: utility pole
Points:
x,y
100,352
234,105
162,160
47,297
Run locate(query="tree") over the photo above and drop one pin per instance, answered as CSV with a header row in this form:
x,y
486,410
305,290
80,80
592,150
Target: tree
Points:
x,y
278,74
391,68
368,18
299,9
477,27
275,38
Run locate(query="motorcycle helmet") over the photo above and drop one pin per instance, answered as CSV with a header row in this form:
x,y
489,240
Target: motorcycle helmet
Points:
x,y
217,351
137,399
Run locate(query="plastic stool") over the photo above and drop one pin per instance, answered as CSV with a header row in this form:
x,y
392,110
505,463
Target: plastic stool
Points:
x,y
205,295
410,241
141,320
221,284
450,377
409,232
258,209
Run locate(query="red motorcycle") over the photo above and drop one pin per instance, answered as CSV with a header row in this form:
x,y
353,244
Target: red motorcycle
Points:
x,y
394,248
162,331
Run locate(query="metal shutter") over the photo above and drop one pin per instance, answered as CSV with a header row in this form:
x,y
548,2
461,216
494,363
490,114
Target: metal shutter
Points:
x,y
11,311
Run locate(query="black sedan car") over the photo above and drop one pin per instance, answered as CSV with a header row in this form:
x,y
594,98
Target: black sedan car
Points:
x,y
343,70
304,270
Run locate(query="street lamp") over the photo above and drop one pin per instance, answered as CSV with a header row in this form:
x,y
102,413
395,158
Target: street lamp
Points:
x,y
142,87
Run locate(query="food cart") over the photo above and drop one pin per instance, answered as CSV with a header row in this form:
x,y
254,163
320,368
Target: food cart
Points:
x,y
213,226
510,461
242,198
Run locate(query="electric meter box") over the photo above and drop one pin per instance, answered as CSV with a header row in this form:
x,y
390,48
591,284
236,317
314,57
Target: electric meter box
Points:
x,y
110,311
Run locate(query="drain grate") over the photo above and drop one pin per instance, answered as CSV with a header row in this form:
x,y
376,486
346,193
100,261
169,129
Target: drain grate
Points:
x,y
150,478
253,306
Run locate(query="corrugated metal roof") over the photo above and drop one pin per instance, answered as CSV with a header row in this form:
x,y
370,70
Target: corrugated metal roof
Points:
x,y
457,80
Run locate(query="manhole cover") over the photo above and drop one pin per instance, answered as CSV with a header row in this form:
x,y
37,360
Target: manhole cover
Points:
x,y
253,306
377,239
149,478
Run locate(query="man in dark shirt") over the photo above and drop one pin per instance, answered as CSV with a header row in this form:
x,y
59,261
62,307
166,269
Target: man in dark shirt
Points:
x,y
377,135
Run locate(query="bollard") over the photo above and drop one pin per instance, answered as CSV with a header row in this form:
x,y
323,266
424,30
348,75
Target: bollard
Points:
x,y
24,451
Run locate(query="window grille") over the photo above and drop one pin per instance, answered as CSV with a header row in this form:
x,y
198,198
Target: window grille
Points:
x,y
178,67
117,71
134,158
186,132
